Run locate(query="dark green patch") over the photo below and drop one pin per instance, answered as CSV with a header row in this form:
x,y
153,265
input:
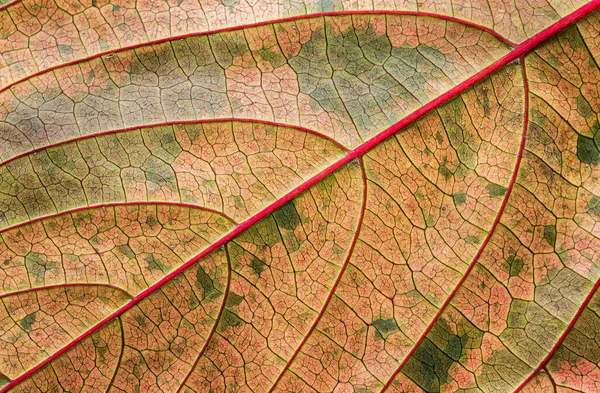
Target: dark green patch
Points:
x,y
587,151
65,49
141,320
583,107
496,190
36,266
287,216
229,319
151,220
155,264
276,59
27,322
384,327
439,138
516,265
472,240
459,199
444,171
428,367
594,206
550,234
258,266
233,299
204,282
126,250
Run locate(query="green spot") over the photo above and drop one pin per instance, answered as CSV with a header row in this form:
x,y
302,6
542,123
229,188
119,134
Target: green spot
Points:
x,y
516,265
459,199
65,49
141,321
594,206
444,171
472,240
238,202
439,138
126,250
496,190
258,266
229,319
276,59
36,266
154,264
27,322
550,234
384,328
151,220
583,107
233,299
428,367
204,282
287,216
587,151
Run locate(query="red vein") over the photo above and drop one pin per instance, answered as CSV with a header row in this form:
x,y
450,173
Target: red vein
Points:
x,y
116,204
114,376
9,4
335,285
552,381
258,24
487,238
561,339
65,285
172,123
215,325
519,51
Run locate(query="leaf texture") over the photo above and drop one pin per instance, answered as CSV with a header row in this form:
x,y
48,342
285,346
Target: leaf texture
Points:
x,y
299,196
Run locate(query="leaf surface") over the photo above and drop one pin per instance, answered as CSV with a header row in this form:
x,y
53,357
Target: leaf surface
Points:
x,y
299,197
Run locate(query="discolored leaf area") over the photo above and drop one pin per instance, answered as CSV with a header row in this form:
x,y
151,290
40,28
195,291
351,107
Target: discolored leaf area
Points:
x,y
300,196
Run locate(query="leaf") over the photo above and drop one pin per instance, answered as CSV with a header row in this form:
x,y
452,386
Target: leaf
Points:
x,y
300,197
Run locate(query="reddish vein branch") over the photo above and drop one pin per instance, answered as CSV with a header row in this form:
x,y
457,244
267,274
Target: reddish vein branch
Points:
x,y
335,285
515,54
487,239
174,123
562,338
258,24
215,325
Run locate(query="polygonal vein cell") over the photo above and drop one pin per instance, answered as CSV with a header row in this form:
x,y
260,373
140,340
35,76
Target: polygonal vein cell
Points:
x,y
347,77
36,37
236,168
544,258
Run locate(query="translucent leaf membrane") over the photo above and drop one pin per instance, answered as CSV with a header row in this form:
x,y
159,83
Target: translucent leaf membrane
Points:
x,y
235,168
575,367
39,35
203,214
433,193
542,261
347,77
64,274
279,277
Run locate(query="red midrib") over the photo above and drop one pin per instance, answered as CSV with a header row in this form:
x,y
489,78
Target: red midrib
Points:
x,y
516,53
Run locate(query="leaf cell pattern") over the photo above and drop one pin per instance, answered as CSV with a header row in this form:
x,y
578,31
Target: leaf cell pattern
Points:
x,y
300,196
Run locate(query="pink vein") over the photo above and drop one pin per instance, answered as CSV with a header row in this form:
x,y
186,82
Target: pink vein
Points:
x,y
561,339
172,123
115,204
257,24
335,285
519,51
65,285
9,4
487,238
215,325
